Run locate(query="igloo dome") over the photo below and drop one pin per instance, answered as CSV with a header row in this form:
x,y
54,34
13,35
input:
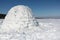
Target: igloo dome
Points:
x,y
18,17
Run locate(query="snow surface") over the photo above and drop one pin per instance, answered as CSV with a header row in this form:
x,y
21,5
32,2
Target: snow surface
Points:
x,y
19,24
45,23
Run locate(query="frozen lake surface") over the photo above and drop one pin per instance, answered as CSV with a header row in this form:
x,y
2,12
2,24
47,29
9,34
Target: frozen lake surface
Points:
x,y
50,31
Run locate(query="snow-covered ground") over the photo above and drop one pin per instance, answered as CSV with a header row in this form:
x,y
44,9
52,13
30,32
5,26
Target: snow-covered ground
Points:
x,y
44,21
45,24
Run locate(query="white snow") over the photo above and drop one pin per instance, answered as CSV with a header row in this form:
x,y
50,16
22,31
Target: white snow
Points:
x,y
18,18
19,24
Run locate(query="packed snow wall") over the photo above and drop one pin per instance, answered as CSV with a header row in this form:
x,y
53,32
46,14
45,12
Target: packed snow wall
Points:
x,y
18,17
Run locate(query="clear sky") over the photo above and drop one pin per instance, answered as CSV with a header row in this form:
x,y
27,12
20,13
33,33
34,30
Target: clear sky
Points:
x,y
39,7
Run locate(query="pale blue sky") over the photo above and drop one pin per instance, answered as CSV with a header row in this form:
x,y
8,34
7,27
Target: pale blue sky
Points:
x,y
39,7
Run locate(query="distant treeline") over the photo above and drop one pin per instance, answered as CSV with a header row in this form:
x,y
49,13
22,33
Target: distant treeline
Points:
x,y
47,17
2,16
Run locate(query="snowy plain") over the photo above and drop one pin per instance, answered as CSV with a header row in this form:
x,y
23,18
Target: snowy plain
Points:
x,y
45,24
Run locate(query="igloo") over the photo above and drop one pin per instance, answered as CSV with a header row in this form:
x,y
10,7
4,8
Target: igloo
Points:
x,y
18,17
